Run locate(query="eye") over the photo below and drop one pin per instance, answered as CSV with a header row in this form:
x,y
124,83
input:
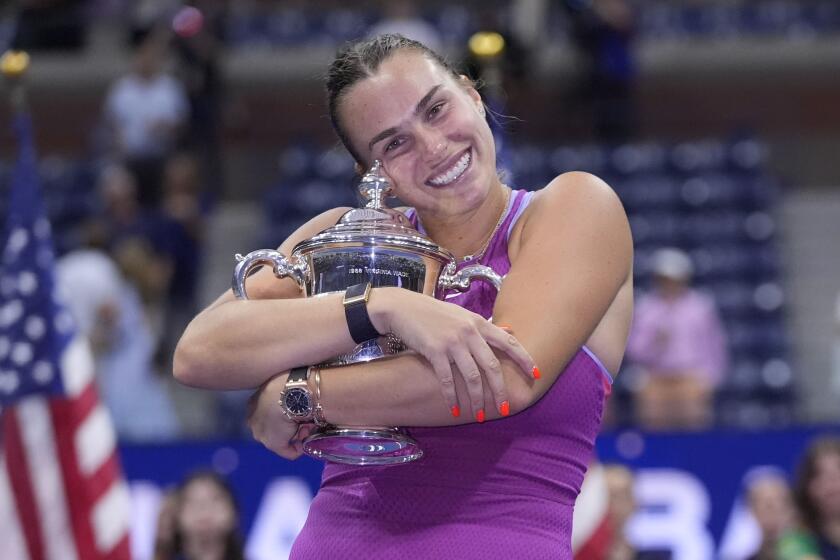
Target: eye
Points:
x,y
394,144
436,109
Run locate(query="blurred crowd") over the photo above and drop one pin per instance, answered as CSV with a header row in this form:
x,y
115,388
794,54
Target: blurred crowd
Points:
x,y
795,519
131,255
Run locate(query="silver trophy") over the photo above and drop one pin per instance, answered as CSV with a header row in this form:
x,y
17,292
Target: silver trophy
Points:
x,y
373,244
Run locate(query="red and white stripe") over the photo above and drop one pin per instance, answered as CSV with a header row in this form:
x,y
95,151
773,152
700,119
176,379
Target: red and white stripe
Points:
x,y
62,496
592,531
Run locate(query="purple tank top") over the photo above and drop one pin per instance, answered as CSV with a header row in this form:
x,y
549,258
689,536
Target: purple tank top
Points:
x,y
502,489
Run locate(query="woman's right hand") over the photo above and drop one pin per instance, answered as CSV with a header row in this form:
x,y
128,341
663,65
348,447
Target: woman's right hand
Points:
x,y
446,334
270,426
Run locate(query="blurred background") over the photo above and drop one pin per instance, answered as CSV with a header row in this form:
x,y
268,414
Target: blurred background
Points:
x,y
173,135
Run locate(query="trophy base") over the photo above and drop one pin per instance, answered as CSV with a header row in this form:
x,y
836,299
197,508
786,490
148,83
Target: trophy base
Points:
x,y
362,446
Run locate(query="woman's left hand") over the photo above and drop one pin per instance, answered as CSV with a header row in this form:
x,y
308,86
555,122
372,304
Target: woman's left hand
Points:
x,y
270,426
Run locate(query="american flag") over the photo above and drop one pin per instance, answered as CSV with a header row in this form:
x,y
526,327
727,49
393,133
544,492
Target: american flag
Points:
x,y
62,495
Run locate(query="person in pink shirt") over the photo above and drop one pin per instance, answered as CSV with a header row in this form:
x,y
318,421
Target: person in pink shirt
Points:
x,y
679,345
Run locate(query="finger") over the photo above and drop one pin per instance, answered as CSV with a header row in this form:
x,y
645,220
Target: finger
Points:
x,y
507,343
293,447
443,371
306,430
472,376
492,368
296,449
303,433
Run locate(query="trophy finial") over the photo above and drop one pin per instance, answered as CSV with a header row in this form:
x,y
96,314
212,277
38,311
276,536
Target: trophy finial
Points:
x,y
374,187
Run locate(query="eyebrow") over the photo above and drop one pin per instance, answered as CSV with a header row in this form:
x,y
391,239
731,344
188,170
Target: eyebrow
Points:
x,y
417,110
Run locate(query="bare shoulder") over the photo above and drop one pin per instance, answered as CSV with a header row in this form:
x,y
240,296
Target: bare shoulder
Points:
x,y
577,192
572,204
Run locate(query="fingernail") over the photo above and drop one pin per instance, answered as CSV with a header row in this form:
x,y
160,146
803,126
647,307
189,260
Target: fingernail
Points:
x,y
504,408
536,372
480,415
505,327
456,411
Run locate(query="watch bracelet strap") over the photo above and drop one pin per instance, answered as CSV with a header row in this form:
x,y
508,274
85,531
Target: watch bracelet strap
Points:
x,y
298,374
358,321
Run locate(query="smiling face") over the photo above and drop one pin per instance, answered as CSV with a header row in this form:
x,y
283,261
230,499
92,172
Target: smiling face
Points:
x,y
427,128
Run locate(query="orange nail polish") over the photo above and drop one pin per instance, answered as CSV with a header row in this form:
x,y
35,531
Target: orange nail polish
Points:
x,y
536,372
456,411
505,327
504,408
480,415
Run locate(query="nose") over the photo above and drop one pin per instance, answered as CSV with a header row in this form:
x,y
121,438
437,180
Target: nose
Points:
x,y
434,145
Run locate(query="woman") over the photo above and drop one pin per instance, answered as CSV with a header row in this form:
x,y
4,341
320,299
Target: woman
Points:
x,y
483,489
817,495
200,521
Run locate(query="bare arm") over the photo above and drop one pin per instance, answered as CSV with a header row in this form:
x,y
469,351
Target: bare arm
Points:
x,y
574,256
236,344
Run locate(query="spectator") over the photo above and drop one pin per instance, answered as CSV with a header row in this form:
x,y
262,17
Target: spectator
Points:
x,y
144,17
165,529
622,506
130,233
679,344
145,111
614,486
817,494
206,521
107,309
771,504
592,529
159,249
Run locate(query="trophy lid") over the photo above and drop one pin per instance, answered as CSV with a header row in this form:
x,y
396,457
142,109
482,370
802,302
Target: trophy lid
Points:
x,y
375,224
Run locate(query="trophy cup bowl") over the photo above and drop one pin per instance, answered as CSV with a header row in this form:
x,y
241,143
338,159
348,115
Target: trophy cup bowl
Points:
x,y
373,244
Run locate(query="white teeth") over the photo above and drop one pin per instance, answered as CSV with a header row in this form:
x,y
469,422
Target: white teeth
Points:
x,y
456,171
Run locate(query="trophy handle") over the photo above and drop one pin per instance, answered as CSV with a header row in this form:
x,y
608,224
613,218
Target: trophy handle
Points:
x,y
460,280
293,267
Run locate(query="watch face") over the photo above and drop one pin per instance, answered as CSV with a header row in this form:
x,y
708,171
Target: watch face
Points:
x,y
297,401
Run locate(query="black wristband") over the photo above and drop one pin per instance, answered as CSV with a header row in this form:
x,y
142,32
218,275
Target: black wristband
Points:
x,y
355,311
300,373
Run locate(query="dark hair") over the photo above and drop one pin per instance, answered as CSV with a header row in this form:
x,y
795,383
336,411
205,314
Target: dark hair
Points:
x,y
805,474
234,549
361,59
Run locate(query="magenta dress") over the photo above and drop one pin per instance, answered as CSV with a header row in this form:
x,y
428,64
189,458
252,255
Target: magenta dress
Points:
x,y
503,489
